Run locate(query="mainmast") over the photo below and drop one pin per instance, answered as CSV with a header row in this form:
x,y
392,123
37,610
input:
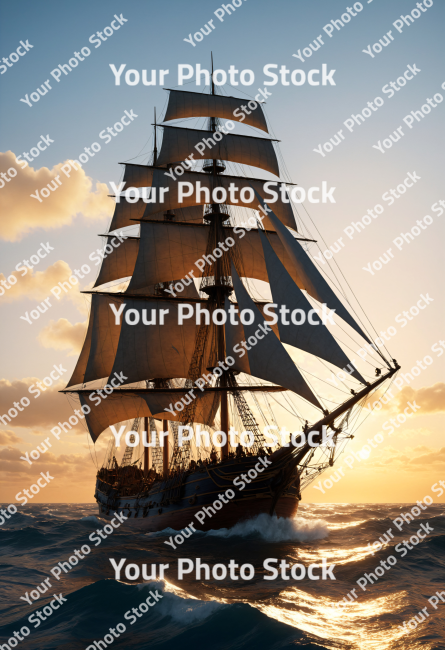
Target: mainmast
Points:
x,y
146,449
221,290
155,149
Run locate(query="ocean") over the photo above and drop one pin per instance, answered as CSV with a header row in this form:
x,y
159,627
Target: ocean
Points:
x,y
250,614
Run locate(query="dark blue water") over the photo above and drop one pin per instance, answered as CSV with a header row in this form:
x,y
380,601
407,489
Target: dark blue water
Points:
x,y
242,615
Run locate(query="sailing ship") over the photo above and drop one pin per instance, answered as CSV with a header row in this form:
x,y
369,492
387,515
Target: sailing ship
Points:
x,y
281,376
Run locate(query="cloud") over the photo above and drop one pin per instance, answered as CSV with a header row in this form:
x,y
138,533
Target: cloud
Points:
x,y
72,475
37,285
428,460
66,466
44,411
62,335
411,459
408,434
431,399
9,438
75,195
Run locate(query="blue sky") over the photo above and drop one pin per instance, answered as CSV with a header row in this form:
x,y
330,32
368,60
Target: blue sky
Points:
x,y
86,101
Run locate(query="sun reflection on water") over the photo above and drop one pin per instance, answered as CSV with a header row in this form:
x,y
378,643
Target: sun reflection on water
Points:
x,y
363,625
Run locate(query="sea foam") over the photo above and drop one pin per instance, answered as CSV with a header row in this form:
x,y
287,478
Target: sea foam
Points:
x,y
274,529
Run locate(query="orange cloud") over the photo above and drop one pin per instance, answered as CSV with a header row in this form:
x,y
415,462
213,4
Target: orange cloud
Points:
x,y
67,467
431,399
409,434
9,438
37,285
429,459
74,195
410,459
73,476
62,335
44,411
10,460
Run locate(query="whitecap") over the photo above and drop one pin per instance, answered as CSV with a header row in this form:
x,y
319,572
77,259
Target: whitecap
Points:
x,y
182,609
159,533
274,529
166,532
92,518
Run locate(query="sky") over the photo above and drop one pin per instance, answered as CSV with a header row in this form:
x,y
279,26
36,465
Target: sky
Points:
x,y
83,103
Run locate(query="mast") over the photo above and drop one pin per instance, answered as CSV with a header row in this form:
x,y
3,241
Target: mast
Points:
x,y
128,453
167,216
165,450
146,449
155,149
221,293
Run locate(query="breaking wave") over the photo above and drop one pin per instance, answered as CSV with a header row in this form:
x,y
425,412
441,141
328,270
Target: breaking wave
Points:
x,y
180,608
92,518
269,529
274,529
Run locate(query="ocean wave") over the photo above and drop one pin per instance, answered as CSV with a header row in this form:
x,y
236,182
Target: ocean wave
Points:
x,y
343,525
274,529
24,538
190,614
181,608
166,532
92,518
176,620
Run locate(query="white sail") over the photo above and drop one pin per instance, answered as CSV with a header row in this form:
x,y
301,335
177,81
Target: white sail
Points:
x,y
309,277
99,349
154,351
122,405
104,352
315,339
138,175
138,346
282,209
178,144
267,358
168,251
79,371
183,104
119,262
128,214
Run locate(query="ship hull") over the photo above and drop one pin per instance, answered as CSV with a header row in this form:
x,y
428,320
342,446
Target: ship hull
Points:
x,y
200,498
230,515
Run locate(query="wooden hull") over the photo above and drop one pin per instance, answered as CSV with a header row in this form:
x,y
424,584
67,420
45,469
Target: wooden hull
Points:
x,y
227,517
174,503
